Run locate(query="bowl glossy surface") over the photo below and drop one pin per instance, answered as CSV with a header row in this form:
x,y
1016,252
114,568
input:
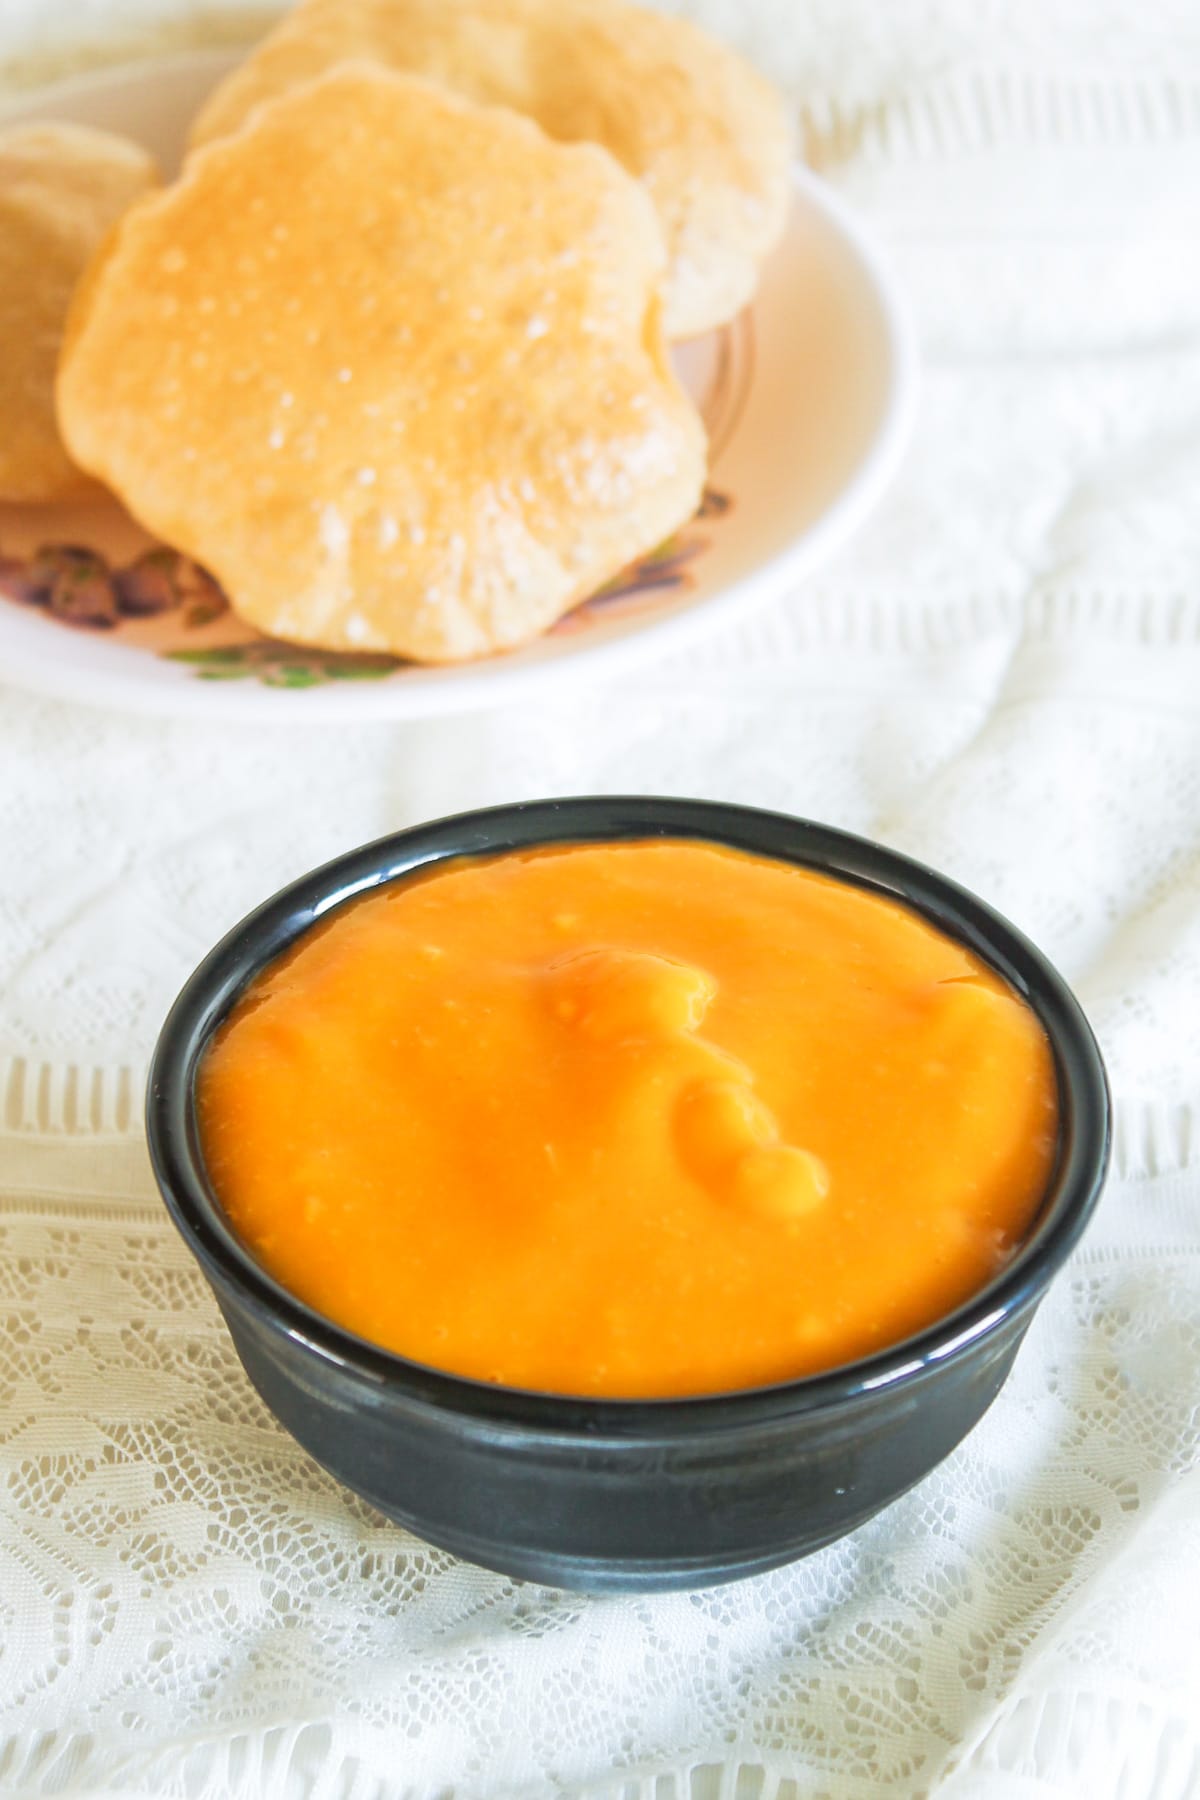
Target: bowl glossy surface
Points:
x,y
624,1495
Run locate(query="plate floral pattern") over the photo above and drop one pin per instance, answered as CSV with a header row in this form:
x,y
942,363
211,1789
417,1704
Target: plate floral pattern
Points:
x,y
77,586
808,402
162,600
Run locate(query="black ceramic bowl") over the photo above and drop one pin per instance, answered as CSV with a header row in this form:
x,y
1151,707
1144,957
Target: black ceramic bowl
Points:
x,y
643,1494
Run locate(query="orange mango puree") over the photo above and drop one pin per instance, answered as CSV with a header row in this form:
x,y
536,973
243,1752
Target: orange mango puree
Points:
x,y
629,1119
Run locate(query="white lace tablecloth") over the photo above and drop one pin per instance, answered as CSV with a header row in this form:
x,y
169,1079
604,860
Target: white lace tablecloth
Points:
x,y
1002,676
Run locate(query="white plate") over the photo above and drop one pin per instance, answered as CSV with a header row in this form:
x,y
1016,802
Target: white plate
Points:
x,y
808,398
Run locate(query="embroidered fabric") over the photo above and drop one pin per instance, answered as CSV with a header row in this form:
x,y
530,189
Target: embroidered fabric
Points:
x,y
1001,677
1047,753
191,1606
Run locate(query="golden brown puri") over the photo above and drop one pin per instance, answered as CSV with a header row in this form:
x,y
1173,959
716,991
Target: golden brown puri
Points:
x,y
62,187
696,124
390,366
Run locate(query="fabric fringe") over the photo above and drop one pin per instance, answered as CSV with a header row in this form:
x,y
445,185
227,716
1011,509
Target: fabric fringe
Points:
x,y
702,1781
1134,1747
1109,1747
975,110
823,616
969,109
1152,1138
70,1099
264,1763
287,1762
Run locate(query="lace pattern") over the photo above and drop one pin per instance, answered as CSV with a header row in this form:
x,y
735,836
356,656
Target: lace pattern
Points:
x,y
192,1605
1001,677
951,731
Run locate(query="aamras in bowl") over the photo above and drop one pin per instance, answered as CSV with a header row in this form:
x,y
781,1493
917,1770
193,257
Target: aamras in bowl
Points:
x,y
631,1120
628,1193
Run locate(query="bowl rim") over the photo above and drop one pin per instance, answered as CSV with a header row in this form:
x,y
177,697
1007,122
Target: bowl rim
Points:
x,y
265,933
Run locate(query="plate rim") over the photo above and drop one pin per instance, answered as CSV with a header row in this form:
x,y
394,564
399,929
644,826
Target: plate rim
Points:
x,y
487,682
17,102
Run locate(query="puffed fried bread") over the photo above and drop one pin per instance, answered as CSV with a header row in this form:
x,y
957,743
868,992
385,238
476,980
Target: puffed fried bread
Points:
x,y
390,366
703,131
62,187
